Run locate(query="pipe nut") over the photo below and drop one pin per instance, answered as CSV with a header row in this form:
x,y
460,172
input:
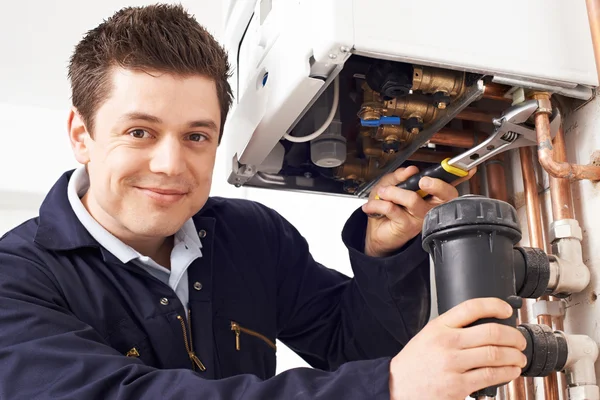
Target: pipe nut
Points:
x,y
588,392
544,105
565,229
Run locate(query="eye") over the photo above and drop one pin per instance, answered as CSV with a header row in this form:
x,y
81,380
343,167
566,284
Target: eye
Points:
x,y
139,133
197,137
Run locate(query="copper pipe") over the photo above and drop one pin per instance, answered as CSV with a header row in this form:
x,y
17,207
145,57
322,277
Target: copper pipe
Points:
x,y
593,9
475,184
496,91
496,178
457,138
562,208
430,156
473,114
555,168
560,188
532,200
534,222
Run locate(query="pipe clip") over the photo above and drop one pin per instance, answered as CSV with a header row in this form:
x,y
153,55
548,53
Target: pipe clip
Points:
x,y
551,308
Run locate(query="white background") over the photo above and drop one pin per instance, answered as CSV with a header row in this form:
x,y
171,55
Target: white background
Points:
x,y
36,40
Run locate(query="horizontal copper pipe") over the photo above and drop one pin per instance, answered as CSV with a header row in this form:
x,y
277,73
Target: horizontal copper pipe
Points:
x,y
555,168
457,138
496,91
593,11
473,114
430,156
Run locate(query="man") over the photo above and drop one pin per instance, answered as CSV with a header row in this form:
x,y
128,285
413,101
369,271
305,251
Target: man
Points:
x,y
132,283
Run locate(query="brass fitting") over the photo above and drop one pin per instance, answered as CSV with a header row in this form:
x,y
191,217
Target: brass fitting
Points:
x,y
369,95
391,145
432,80
358,170
372,106
406,108
398,131
369,113
545,105
371,148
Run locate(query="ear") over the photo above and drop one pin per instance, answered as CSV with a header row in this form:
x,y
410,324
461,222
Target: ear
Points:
x,y
78,136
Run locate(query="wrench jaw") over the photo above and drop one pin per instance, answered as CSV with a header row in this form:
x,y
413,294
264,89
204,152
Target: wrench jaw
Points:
x,y
510,133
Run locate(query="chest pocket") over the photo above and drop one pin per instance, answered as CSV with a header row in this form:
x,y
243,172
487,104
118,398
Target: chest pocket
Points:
x,y
244,348
131,341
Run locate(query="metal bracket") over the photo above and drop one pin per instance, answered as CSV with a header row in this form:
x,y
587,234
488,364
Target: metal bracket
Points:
x,y
552,308
240,173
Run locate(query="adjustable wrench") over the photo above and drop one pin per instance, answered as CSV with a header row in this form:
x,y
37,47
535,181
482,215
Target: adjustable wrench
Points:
x,y
510,133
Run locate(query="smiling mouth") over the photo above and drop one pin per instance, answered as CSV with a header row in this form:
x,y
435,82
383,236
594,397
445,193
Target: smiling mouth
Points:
x,y
165,196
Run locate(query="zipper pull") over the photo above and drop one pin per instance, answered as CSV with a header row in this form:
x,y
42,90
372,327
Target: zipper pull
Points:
x,y
236,328
197,361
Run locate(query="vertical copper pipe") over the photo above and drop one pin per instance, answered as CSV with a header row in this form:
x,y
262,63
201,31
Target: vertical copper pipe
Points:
x,y
496,180
534,222
475,184
532,200
593,9
560,188
562,208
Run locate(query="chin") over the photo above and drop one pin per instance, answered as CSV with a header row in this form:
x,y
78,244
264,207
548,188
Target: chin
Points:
x,y
155,224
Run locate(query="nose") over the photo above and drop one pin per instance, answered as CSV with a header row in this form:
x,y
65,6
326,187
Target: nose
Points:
x,y
167,157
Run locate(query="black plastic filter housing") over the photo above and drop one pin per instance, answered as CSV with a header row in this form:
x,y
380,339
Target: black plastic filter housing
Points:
x,y
471,241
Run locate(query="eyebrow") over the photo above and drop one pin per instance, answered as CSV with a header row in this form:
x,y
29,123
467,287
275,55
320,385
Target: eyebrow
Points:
x,y
201,123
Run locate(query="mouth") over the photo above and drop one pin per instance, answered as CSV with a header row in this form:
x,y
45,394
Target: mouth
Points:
x,y
163,195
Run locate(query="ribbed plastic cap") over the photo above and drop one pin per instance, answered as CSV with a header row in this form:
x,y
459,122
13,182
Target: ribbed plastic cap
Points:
x,y
470,210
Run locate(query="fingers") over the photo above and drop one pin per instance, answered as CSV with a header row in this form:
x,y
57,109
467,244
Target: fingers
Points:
x,y
396,177
491,356
382,208
472,310
491,334
438,188
411,201
490,376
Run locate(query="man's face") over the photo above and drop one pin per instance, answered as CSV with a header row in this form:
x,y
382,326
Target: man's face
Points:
x,y
152,154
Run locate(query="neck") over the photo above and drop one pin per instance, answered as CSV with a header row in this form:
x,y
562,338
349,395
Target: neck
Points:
x,y
157,248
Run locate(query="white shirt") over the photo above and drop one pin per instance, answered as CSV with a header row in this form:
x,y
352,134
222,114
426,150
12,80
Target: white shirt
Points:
x,y
186,247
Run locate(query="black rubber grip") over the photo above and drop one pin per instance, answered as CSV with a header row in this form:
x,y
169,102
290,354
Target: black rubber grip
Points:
x,y
438,172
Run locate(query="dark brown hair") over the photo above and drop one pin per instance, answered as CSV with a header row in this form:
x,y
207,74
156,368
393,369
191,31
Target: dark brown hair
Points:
x,y
162,37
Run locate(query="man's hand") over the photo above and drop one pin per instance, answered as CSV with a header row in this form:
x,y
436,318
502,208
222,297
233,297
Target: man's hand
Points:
x,y
448,362
403,211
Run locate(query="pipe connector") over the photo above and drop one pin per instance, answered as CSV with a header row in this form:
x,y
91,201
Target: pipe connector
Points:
x,y
568,272
579,368
565,229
